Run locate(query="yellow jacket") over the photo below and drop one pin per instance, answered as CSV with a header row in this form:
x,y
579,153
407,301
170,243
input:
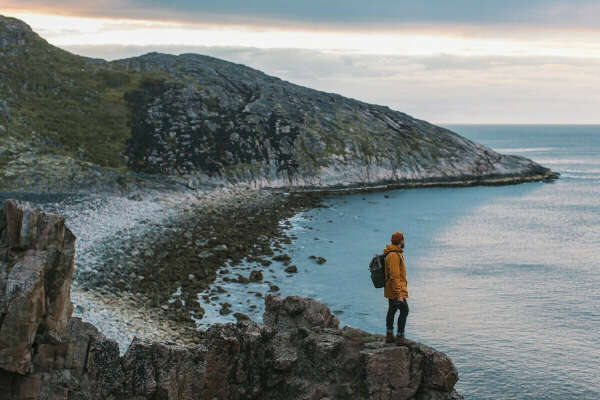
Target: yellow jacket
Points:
x,y
395,273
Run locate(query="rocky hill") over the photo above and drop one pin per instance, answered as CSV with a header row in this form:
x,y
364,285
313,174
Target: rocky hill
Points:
x,y
299,353
70,122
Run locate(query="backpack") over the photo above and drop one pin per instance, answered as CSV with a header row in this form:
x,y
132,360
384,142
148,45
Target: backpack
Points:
x,y
377,269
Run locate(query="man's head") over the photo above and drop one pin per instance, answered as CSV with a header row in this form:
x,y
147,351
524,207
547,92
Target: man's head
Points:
x,y
398,239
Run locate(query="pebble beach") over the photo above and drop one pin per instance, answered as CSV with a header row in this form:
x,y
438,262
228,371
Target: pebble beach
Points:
x,y
161,265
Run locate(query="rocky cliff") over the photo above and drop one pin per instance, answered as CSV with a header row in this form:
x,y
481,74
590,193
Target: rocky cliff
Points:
x,y
68,122
299,353
218,120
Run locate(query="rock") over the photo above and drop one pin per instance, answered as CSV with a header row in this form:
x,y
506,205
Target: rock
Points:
x,y
439,372
204,254
220,289
404,383
294,311
4,110
163,371
36,267
292,269
318,260
241,317
221,247
135,196
273,288
225,309
284,258
255,276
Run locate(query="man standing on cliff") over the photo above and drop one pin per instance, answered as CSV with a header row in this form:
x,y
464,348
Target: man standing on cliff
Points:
x,y
395,289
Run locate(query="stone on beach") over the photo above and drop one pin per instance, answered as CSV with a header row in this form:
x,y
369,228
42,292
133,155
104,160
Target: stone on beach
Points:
x,y
291,269
255,276
318,260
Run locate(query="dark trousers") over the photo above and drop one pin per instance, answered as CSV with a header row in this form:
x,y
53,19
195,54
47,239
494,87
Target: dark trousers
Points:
x,y
393,306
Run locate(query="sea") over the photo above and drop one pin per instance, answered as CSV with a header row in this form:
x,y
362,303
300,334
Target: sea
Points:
x,y
504,279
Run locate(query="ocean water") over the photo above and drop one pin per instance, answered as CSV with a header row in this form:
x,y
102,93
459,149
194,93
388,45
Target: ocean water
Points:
x,y
505,280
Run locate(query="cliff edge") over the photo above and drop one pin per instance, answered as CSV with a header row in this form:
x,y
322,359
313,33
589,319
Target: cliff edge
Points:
x,y
299,353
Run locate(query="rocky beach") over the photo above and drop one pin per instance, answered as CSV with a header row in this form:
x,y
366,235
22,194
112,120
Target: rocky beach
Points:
x,y
140,262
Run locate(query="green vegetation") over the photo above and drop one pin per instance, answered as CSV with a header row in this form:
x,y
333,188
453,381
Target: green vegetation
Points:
x,y
66,104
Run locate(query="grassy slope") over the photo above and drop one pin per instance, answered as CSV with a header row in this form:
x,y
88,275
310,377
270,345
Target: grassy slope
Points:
x,y
63,103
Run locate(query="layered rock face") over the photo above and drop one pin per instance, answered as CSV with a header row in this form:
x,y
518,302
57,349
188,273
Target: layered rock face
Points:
x,y
299,353
222,121
36,266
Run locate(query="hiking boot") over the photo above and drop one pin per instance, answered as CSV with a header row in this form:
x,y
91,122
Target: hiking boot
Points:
x,y
389,338
402,341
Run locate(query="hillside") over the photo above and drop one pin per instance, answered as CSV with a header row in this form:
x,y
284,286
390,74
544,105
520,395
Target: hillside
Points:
x,y
69,122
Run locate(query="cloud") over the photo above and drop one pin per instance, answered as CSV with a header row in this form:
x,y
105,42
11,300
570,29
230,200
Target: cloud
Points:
x,y
439,88
445,61
350,14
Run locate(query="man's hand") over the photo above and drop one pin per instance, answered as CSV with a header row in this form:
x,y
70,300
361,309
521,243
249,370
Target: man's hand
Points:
x,y
398,301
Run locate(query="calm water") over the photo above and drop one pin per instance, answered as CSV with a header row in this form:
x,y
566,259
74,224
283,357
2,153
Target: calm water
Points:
x,y
505,280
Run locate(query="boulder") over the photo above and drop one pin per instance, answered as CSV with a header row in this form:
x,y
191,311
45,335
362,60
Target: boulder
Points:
x,y
294,311
255,276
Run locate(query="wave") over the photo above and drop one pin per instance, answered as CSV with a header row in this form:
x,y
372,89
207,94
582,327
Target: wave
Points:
x,y
567,161
581,171
579,176
524,149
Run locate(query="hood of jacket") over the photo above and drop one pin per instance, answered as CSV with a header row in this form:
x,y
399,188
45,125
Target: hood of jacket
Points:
x,y
391,247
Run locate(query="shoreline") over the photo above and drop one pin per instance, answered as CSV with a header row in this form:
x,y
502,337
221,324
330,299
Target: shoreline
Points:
x,y
502,180
159,282
149,289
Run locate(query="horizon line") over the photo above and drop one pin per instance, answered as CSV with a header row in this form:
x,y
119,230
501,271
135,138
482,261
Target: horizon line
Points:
x,y
515,124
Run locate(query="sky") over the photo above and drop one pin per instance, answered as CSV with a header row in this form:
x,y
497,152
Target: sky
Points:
x,y
445,61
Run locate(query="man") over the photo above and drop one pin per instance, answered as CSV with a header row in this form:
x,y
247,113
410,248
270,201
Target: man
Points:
x,y
395,289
